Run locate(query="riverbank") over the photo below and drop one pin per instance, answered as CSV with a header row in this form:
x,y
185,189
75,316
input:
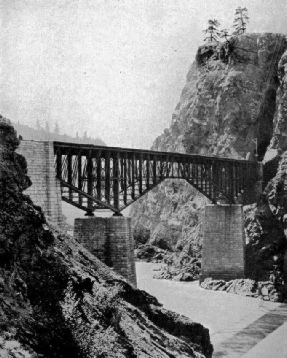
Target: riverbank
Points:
x,y
224,314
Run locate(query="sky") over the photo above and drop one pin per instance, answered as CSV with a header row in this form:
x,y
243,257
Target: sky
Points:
x,y
112,68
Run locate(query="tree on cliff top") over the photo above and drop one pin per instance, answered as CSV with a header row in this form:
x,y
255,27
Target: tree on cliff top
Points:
x,y
240,21
224,34
212,31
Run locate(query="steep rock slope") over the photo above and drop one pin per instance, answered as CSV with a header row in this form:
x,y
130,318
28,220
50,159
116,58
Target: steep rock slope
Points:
x,y
230,100
58,300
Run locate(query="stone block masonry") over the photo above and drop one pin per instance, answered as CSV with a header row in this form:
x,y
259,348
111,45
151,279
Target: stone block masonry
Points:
x,y
111,241
223,249
45,190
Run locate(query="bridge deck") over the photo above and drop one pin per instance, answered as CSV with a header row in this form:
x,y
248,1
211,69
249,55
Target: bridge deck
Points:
x,y
96,177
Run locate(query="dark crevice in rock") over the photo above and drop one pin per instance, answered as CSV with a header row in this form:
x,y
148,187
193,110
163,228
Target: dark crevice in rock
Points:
x,y
266,115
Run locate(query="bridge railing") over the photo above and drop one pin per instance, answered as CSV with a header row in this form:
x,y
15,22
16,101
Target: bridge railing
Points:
x,y
97,177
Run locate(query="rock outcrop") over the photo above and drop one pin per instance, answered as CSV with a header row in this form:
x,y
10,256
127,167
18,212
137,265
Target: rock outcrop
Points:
x,y
179,267
229,102
58,300
266,291
225,105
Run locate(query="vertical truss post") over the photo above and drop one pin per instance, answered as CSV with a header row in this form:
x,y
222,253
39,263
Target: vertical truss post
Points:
x,y
99,175
121,171
235,173
231,178
125,176
154,169
188,169
116,180
141,173
247,173
133,176
220,176
215,180
239,179
184,176
90,180
107,175
147,171
80,177
160,163
172,166
225,179
201,176
70,174
208,177
205,171
196,172
121,179
167,168
59,163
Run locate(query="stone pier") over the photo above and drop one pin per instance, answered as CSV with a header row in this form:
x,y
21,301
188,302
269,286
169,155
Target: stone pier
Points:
x,y
223,248
111,241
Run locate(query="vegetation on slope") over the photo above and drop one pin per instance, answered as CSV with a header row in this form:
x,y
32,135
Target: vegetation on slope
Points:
x,y
58,301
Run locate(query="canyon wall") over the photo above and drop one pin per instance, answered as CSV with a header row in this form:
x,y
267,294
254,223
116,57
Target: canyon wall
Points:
x,y
234,97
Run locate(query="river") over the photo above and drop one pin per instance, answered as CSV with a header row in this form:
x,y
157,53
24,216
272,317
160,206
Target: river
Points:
x,y
224,314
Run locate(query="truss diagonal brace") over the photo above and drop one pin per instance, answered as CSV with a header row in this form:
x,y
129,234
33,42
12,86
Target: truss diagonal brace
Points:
x,y
89,196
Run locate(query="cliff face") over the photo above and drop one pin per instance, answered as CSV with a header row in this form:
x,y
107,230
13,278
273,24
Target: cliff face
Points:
x,y
279,141
58,300
227,102
234,95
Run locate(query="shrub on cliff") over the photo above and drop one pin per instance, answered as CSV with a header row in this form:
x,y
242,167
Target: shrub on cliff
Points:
x,y
141,235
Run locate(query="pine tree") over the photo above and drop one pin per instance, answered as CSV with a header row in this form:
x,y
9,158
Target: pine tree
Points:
x,y
240,21
224,34
212,31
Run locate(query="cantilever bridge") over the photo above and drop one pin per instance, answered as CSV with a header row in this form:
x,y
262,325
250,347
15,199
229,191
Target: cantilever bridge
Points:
x,y
98,177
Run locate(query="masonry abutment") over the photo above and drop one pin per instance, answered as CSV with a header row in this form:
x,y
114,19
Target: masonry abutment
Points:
x,y
111,241
223,249
45,190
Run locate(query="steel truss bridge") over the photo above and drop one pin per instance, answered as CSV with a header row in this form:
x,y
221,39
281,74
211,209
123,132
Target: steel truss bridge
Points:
x,y
97,177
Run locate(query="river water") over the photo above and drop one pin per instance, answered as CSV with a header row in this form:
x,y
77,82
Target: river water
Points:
x,y
224,314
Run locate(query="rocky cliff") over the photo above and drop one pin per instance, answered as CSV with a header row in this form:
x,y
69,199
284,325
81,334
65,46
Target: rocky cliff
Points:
x,y
58,300
235,95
